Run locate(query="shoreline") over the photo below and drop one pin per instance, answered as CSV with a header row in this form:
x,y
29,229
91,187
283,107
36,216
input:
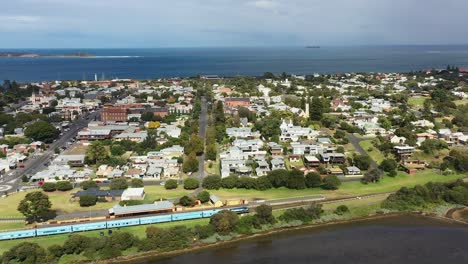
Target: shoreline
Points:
x,y
194,248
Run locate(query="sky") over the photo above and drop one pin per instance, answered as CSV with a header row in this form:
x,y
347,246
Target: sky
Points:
x,y
209,23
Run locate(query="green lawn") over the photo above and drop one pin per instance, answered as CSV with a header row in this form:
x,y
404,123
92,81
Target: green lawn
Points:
x,y
157,192
61,200
417,102
12,226
60,239
387,184
375,154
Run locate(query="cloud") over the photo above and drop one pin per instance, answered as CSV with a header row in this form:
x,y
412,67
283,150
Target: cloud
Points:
x,y
149,23
264,4
19,19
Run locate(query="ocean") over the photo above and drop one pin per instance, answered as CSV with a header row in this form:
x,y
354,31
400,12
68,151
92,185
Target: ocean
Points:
x,y
187,62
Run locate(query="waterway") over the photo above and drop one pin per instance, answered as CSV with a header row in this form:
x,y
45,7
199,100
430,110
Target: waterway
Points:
x,y
401,239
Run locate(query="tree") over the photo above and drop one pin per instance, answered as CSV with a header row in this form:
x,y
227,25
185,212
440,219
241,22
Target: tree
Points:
x,y
265,214
190,163
187,201
278,178
76,244
304,215
373,175
210,152
212,182
203,232
49,187
341,210
317,108
88,200
191,184
195,144
64,186
148,116
262,183
88,184
117,150
203,196
362,161
429,146
96,152
118,184
35,205
55,251
137,183
296,180
331,182
25,252
313,179
229,182
171,184
42,131
224,221
388,165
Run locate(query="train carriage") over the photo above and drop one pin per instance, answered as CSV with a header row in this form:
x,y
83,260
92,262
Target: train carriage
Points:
x,y
53,230
187,216
124,222
89,226
155,219
17,234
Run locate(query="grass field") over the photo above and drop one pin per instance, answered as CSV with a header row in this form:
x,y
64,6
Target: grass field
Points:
x,y
59,239
375,154
387,184
11,226
417,102
61,200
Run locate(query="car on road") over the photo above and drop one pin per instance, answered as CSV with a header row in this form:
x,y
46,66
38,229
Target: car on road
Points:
x,y
21,165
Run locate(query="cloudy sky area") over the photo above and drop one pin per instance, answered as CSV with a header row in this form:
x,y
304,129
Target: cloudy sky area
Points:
x,y
194,23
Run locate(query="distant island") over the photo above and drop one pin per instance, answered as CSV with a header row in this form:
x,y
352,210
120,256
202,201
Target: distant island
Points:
x,y
37,55
312,47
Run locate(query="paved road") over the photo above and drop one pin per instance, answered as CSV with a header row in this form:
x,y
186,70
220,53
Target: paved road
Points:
x,y
355,142
202,132
33,165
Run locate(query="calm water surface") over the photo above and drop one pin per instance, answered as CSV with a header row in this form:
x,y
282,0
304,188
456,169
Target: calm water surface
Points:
x,y
186,62
405,239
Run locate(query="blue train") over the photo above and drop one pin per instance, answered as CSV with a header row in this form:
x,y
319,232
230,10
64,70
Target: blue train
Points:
x,y
116,223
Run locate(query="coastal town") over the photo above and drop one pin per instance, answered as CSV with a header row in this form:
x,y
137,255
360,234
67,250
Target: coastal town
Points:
x,y
126,148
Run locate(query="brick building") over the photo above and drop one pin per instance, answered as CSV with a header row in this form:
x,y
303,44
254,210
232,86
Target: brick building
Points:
x,y
113,113
236,102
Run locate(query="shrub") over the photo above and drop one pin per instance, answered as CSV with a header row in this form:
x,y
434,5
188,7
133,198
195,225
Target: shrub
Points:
x,y
56,251
186,201
262,183
49,187
224,221
118,184
137,183
212,182
191,184
331,182
88,184
75,244
302,214
203,232
88,200
341,210
229,182
171,184
130,202
203,196
313,179
25,252
64,186
392,173
388,165
296,180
